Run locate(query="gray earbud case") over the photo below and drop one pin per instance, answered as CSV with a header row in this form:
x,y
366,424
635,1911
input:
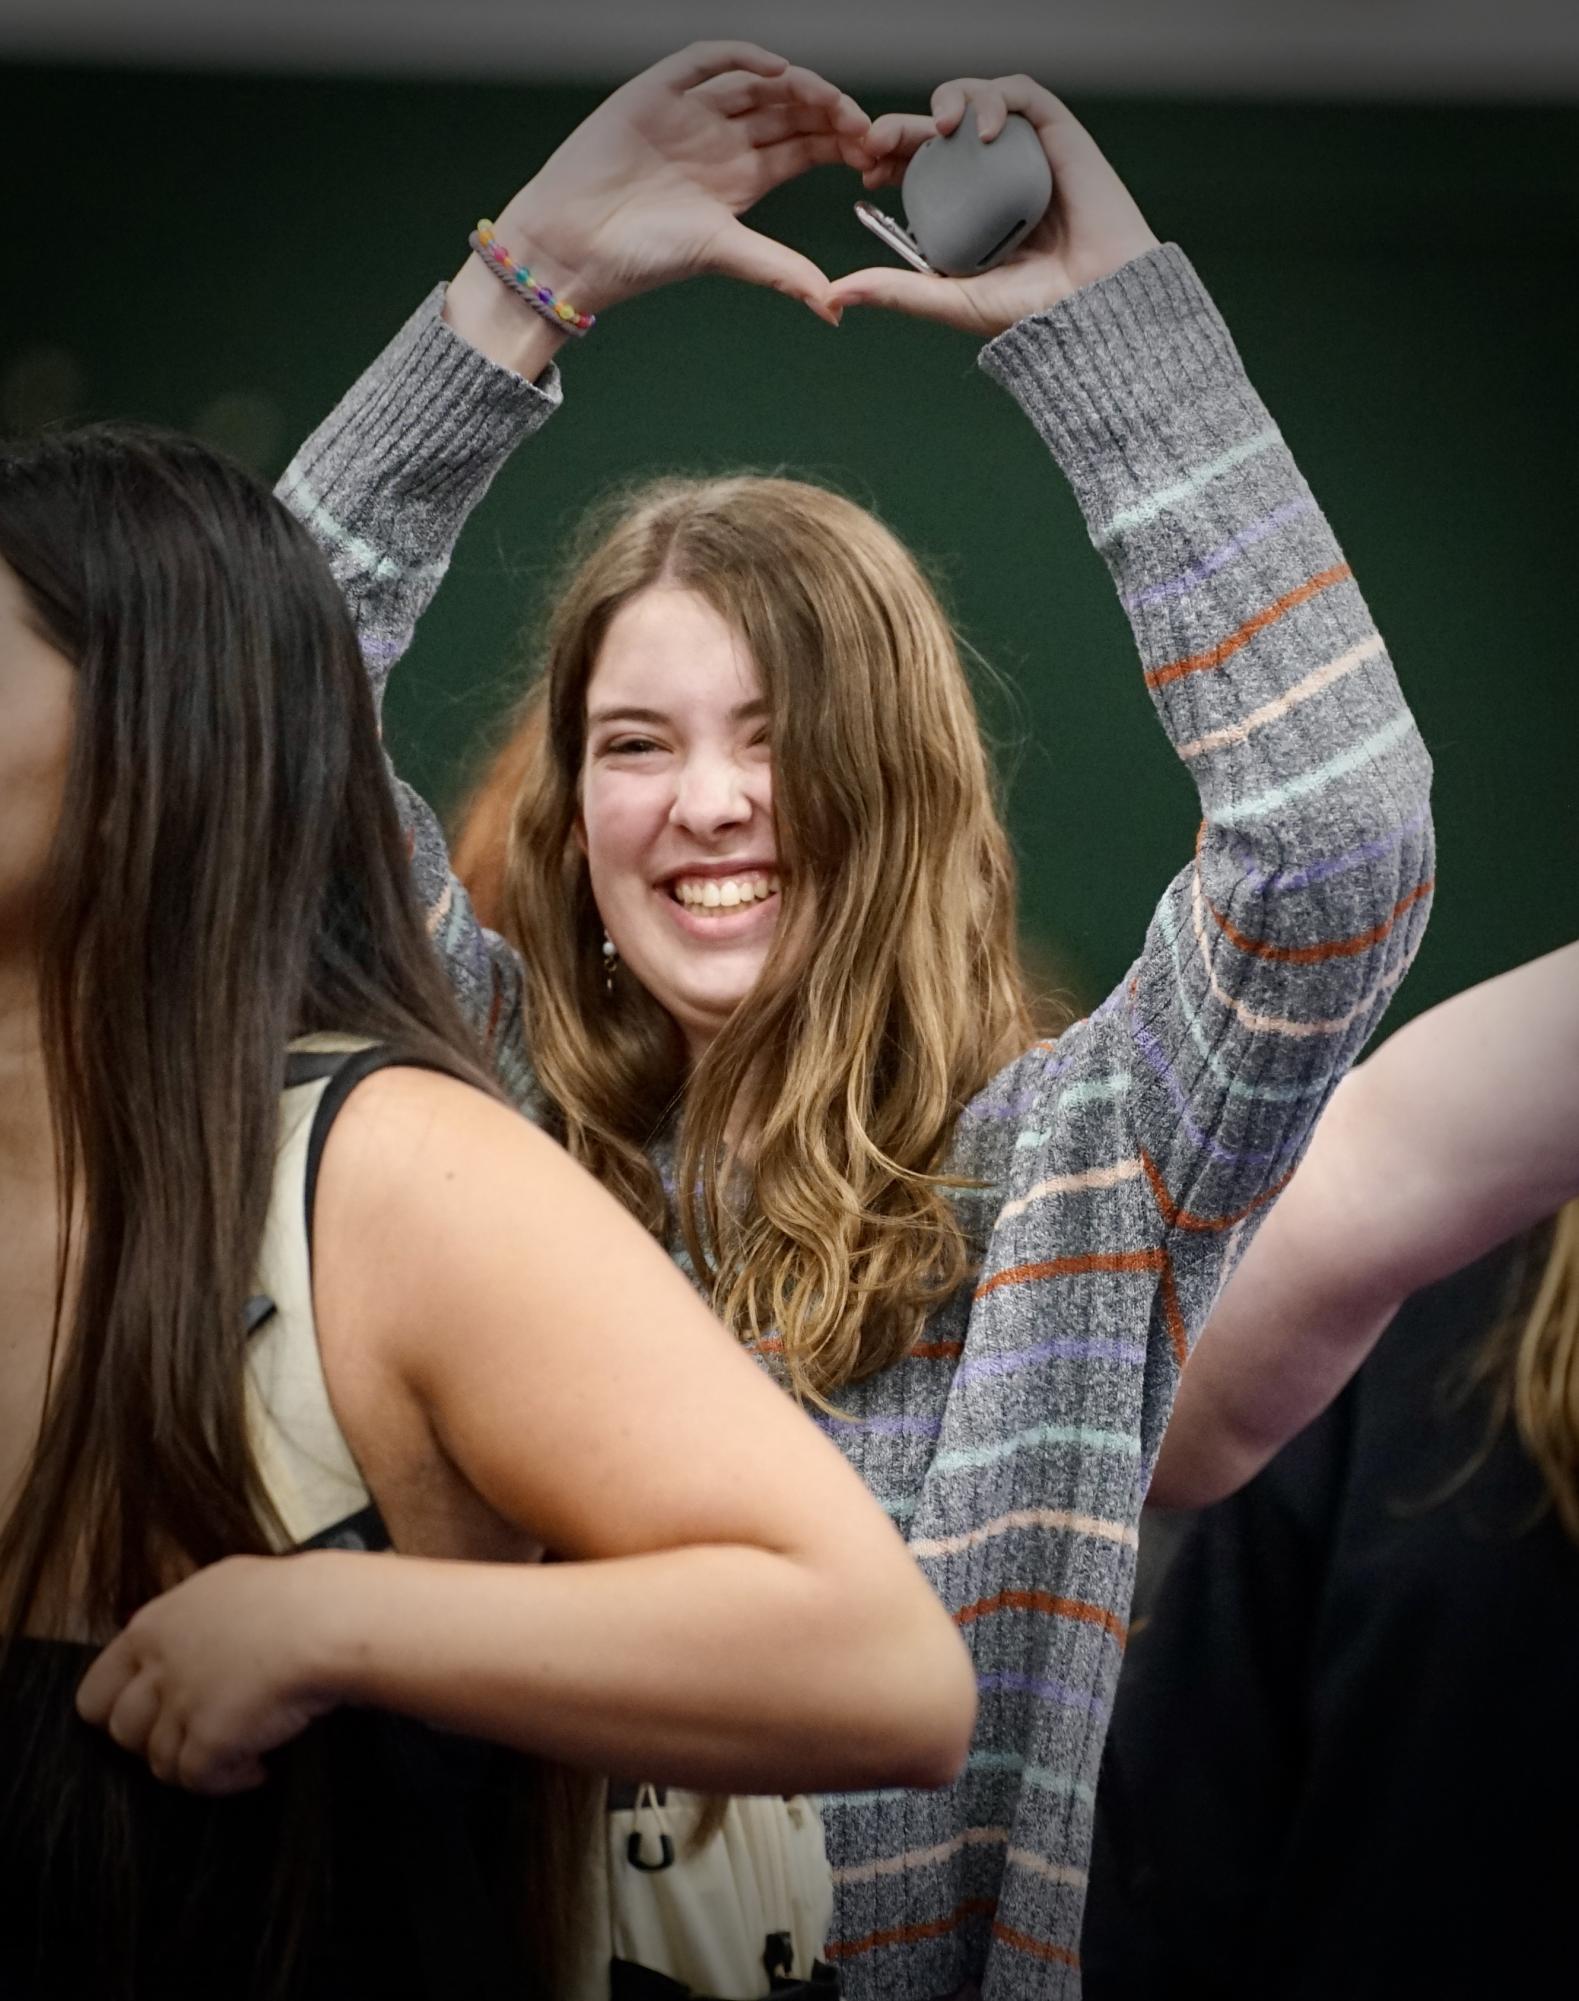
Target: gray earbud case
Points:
x,y
969,205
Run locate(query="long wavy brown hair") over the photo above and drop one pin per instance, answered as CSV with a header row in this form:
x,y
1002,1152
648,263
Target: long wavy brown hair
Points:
x,y
480,842
849,1063
1531,1363
228,873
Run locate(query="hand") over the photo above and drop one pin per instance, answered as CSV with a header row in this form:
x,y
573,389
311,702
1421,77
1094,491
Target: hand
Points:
x,y
650,187
1091,228
215,1673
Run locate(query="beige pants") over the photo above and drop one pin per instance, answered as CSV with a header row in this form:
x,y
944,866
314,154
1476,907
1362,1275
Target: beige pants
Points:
x,y
706,1916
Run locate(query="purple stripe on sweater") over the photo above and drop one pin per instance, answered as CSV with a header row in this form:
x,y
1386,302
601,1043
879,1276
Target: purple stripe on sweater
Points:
x,y
1049,1691
379,649
1048,1351
1272,882
1028,1101
1017,1108
884,1427
1226,1156
1217,559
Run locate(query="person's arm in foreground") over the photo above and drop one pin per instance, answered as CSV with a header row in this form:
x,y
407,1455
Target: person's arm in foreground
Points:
x,y
734,1612
646,191
1462,1130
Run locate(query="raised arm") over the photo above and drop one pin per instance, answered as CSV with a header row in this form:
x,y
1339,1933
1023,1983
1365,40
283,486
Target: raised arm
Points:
x,y
1273,953
734,1611
646,191
1461,1131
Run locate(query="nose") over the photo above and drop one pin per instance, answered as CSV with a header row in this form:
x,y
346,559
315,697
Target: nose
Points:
x,y
710,795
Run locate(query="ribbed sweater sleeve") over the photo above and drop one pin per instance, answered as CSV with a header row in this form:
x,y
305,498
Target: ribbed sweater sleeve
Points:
x,y
1276,948
1113,1169
385,486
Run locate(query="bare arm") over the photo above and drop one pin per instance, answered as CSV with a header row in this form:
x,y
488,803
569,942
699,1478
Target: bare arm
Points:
x,y
1462,1130
735,1611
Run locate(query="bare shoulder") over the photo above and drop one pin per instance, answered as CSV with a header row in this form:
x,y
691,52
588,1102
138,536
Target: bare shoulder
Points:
x,y
424,1180
405,1134
437,1201
405,1102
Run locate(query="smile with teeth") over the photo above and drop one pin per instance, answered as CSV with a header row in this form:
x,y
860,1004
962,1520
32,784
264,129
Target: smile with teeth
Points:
x,y
703,894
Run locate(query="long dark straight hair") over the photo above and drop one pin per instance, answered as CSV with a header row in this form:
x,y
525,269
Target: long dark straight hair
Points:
x,y
228,873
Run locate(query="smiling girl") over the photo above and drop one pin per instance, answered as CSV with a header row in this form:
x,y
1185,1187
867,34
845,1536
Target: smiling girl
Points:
x,y
986,1256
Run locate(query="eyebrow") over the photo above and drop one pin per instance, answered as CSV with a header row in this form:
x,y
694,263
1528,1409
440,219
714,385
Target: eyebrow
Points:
x,y
743,712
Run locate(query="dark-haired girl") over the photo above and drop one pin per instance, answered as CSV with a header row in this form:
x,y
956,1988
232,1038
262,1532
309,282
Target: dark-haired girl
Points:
x,y
284,1282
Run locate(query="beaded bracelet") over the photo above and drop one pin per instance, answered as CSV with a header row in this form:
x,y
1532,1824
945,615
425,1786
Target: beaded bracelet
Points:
x,y
538,296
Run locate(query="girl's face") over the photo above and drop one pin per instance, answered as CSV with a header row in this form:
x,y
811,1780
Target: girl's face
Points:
x,y
37,692
677,807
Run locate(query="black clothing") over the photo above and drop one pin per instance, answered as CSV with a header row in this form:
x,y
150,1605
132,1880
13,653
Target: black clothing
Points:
x,y
1344,1758
397,1838
392,1854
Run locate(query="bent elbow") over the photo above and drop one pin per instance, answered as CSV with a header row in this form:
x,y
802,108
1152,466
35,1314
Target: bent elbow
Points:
x,y
950,1720
928,1706
943,1740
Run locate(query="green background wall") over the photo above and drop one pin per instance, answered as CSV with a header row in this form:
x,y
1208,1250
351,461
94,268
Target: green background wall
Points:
x,y
225,253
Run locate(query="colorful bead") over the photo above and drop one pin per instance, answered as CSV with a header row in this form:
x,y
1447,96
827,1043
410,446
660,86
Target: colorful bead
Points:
x,y
520,280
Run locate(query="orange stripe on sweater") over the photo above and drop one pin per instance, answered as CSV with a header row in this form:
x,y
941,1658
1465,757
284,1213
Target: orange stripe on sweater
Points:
x,y
1214,656
972,1907
1314,955
1183,1219
1044,1601
937,1351
1058,1955
1072,1267
1173,1314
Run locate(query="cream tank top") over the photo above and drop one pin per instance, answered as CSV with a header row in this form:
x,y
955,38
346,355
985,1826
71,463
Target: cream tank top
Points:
x,y
297,1444
745,1914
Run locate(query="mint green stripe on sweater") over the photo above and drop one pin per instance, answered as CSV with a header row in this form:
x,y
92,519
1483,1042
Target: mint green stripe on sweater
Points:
x,y
1158,503
1089,1091
1402,725
1267,1094
1042,1777
373,563
1123,1443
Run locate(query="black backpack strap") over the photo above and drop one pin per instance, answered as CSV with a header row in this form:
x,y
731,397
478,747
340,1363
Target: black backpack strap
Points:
x,y
345,1069
465,1942
306,1066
